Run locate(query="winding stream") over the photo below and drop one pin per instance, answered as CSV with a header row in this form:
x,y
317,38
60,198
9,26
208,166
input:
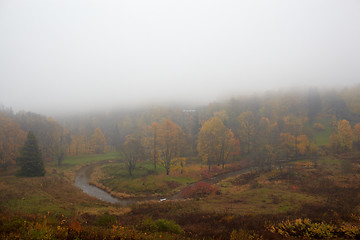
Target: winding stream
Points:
x,y
82,181
83,176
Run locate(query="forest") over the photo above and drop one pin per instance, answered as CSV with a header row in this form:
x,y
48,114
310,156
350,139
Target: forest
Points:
x,y
276,165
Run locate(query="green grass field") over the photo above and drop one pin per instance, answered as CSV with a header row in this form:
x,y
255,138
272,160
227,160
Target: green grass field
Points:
x,y
52,193
144,181
322,137
83,159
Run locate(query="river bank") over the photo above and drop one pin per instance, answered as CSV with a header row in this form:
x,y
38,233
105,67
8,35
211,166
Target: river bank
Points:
x,y
84,181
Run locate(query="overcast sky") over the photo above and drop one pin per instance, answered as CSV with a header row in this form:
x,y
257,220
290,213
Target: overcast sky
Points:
x,y
68,55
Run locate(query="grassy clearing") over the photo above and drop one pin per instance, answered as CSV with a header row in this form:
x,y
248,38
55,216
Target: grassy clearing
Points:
x,y
145,180
329,162
322,138
53,193
257,196
287,190
83,159
72,164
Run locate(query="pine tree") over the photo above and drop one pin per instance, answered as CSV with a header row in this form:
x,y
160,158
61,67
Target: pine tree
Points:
x,y
31,161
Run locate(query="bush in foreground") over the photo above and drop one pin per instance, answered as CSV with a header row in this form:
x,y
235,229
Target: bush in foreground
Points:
x,y
305,228
160,225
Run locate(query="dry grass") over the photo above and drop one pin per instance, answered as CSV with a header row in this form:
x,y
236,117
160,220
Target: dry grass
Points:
x,y
52,193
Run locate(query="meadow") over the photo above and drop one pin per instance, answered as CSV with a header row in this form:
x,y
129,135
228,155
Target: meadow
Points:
x,y
251,205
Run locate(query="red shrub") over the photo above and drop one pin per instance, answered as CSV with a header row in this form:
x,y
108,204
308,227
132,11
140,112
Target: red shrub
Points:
x,y
199,190
213,171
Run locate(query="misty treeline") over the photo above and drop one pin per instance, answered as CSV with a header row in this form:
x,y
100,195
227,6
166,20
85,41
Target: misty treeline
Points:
x,y
265,129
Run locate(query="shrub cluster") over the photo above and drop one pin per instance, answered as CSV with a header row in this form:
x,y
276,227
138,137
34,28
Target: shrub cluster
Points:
x,y
305,228
199,190
161,225
242,234
50,227
206,174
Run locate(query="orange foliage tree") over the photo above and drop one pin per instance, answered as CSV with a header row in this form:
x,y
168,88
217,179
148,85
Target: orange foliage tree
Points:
x,y
12,139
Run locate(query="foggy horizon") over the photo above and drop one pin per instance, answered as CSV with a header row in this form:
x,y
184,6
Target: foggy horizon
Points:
x,y
69,56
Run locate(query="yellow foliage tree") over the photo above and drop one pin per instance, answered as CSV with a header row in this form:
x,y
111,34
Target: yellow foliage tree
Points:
x,y
77,145
288,144
303,144
216,142
171,141
98,141
356,132
342,138
247,128
179,164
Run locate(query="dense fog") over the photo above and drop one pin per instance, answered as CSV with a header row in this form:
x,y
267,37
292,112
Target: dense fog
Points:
x,y
61,56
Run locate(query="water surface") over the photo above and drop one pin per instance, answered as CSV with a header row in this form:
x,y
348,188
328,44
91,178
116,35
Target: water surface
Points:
x,y
82,182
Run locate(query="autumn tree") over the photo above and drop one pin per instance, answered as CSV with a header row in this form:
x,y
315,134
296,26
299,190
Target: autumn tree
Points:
x,y
114,137
191,128
230,147
151,141
179,164
171,142
98,141
302,144
294,126
31,162
216,142
351,97
335,105
55,140
344,133
263,133
132,151
270,155
247,129
12,138
356,132
222,115
52,137
288,144
341,138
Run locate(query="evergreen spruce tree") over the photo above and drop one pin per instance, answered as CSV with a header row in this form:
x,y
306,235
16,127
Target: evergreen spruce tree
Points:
x,y
30,160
